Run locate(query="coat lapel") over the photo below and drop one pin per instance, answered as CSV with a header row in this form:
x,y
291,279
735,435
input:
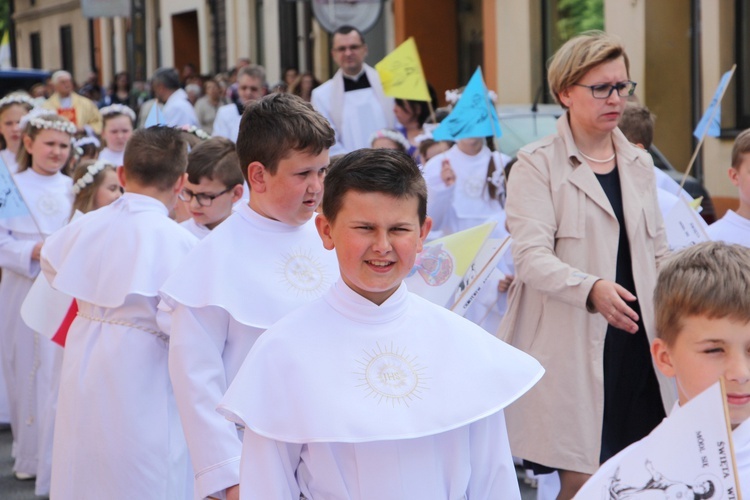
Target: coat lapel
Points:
x,y
585,180
634,181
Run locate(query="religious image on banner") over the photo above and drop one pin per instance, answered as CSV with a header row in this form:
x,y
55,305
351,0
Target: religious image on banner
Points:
x,y
401,73
449,266
473,116
688,456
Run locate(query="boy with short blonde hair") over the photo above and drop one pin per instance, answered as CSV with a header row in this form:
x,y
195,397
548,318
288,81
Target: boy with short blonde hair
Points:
x,y
734,227
702,302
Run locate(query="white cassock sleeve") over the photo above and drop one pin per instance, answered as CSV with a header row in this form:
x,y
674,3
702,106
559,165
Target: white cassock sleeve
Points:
x,y
221,127
319,101
15,255
196,368
269,469
493,474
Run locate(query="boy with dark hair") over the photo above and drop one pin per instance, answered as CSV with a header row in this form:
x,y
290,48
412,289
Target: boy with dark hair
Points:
x,y
734,227
117,433
371,392
214,185
258,265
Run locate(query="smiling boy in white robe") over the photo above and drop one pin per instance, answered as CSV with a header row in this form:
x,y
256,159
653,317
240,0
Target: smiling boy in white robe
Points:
x,y
372,392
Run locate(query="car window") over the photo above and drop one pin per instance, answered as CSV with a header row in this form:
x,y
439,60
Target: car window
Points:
x,y
521,130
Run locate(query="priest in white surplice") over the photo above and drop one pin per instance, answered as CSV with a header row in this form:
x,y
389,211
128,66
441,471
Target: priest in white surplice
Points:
x,y
371,392
262,262
353,100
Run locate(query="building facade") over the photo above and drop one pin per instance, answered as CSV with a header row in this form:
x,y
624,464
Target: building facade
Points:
x,y
678,50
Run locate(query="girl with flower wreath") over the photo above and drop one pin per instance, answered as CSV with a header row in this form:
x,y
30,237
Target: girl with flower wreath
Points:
x,y
13,107
118,122
28,360
95,185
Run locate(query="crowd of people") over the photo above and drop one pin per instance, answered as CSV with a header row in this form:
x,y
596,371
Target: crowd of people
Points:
x,y
242,329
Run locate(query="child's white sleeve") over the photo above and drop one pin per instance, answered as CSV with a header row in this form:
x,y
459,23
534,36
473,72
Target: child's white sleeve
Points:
x,y
196,368
15,254
268,468
493,474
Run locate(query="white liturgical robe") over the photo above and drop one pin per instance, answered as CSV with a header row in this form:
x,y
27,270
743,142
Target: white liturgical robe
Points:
x,y
240,279
112,157
28,359
356,114
117,434
227,122
346,399
732,228
198,230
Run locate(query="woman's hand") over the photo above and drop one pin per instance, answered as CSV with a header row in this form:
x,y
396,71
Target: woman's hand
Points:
x,y
608,299
504,284
447,173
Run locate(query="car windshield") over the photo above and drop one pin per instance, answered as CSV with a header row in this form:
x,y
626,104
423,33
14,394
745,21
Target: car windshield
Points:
x,y
523,129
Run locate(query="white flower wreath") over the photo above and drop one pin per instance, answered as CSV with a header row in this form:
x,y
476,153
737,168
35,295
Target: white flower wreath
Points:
x,y
117,109
393,135
88,178
198,132
17,99
36,118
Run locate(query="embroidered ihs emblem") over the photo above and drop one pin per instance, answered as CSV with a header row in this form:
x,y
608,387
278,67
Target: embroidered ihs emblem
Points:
x,y
303,273
391,375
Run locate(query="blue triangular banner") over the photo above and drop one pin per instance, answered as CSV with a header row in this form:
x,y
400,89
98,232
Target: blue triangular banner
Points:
x,y
473,116
714,127
11,202
155,116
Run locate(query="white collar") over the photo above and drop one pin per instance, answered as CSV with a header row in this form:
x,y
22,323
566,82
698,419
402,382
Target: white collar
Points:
x,y
352,305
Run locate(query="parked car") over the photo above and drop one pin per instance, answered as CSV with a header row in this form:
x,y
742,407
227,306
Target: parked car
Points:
x,y
12,79
523,124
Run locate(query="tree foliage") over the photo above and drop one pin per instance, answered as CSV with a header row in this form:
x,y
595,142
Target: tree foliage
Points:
x,y
576,16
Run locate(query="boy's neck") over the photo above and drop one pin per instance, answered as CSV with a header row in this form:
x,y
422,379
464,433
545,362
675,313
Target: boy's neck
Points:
x,y
743,210
168,198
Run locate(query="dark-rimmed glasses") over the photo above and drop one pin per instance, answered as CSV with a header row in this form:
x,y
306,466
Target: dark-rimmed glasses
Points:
x,y
344,48
604,90
203,199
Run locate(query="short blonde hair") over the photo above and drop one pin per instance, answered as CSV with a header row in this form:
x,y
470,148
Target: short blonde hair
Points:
x,y
710,279
579,55
741,147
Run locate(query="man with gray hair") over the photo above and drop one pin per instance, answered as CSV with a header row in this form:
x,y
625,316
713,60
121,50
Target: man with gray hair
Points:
x,y
177,108
76,108
251,86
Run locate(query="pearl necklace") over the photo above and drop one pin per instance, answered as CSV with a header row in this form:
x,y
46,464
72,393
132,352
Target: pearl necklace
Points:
x,y
598,161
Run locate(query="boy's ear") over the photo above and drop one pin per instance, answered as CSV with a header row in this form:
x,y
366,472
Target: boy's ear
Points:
x,y
424,230
734,176
121,176
237,193
324,230
180,183
662,358
256,177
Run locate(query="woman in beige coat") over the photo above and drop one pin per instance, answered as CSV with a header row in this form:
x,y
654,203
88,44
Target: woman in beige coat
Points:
x,y
587,237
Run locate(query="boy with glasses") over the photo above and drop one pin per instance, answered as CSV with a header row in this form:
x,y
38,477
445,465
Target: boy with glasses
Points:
x,y
264,261
214,185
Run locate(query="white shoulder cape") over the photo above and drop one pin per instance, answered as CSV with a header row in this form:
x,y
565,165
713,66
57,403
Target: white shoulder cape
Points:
x,y
128,247
341,369
255,268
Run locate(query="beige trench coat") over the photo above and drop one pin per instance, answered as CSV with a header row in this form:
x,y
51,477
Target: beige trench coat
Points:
x,y
565,238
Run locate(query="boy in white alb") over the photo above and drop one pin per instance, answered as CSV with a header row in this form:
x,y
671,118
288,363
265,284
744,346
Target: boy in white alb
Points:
x,y
214,185
117,433
734,227
258,265
372,392
703,333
